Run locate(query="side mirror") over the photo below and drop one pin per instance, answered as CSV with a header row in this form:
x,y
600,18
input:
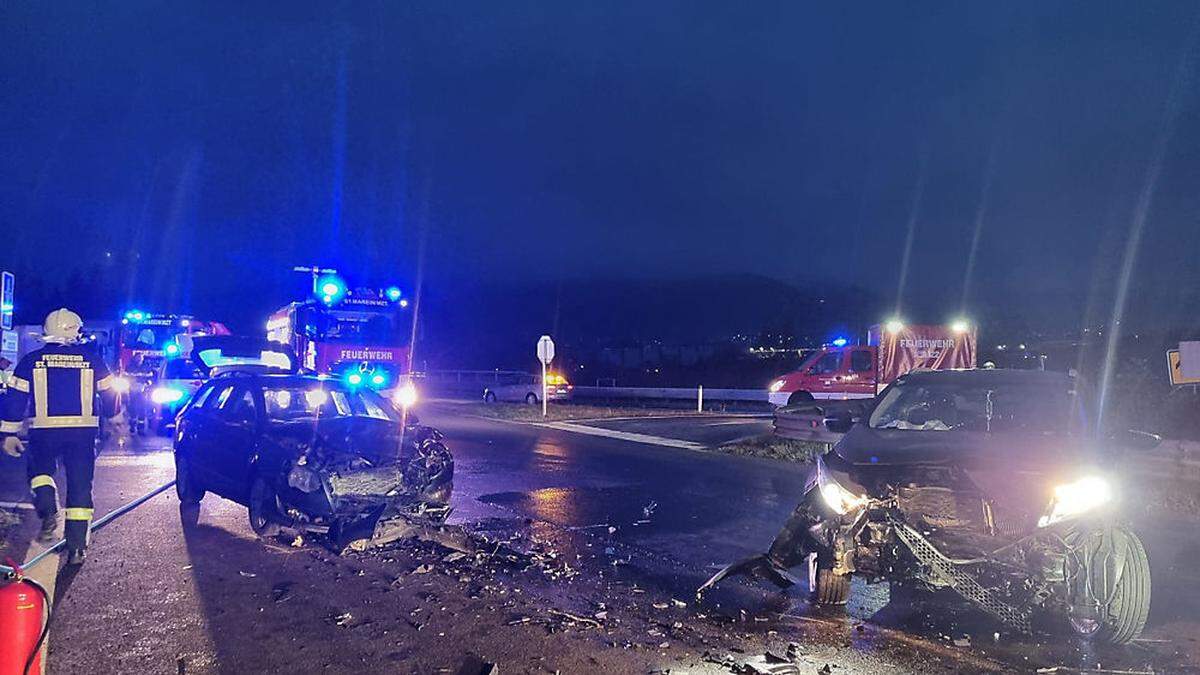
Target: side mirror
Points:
x,y
839,423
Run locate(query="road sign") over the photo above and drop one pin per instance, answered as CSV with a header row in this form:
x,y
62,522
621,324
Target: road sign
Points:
x,y
1175,370
545,354
545,350
7,282
1189,359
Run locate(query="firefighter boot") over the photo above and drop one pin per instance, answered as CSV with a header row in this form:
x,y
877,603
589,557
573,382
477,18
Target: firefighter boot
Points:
x,y
76,556
49,528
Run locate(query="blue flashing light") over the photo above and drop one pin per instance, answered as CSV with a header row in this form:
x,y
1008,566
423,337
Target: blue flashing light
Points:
x,y
135,315
840,342
378,379
354,379
393,293
404,302
330,289
171,349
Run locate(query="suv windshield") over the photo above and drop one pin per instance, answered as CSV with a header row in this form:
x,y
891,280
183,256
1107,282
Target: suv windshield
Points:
x,y
304,400
944,406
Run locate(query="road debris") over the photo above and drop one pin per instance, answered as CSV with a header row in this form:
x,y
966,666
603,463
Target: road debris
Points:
x,y
473,665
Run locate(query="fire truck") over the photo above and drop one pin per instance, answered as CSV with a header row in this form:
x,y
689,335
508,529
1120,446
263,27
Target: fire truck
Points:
x,y
842,371
144,343
359,334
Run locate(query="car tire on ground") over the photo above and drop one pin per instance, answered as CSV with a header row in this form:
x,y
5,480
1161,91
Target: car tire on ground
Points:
x,y
531,399
799,397
489,397
264,517
831,589
1130,605
188,491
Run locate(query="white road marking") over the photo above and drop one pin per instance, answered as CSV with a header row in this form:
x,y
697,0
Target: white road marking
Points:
x,y
17,505
622,435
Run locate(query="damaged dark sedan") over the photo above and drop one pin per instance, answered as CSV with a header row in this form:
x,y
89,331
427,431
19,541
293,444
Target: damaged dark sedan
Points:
x,y
992,483
311,454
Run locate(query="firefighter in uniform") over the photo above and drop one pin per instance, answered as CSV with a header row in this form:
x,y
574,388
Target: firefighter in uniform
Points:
x,y
61,380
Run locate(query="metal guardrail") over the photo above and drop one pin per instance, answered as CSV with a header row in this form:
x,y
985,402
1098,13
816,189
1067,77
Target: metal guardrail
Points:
x,y
672,393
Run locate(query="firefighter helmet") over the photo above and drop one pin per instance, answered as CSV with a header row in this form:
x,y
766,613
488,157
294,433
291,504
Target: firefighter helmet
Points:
x,y
62,327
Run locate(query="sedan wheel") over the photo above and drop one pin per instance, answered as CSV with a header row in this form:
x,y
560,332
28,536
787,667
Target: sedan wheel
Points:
x,y
264,515
185,483
489,397
531,399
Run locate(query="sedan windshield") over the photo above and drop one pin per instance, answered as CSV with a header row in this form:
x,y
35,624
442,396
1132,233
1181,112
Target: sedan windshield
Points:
x,y
943,407
301,401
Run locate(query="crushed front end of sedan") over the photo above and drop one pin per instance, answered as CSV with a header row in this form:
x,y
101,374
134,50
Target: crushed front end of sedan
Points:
x,y
991,483
353,481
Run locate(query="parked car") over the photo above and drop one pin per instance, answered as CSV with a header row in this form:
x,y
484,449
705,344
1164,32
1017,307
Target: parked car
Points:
x,y
526,388
994,483
309,453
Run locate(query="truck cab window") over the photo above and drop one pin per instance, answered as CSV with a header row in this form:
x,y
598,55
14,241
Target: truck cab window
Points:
x,y
861,361
827,364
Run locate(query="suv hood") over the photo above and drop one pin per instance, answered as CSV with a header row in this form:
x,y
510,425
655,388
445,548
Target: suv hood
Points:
x,y
864,446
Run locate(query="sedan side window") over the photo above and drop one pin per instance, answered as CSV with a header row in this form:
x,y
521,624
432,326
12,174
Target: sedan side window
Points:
x,y
203,395
218,401
240,408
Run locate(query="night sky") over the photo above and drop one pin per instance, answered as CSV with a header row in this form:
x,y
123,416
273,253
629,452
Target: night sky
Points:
x,y
208,147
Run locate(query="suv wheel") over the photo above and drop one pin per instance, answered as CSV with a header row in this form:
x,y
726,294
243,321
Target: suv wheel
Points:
x,y
1103,553
186,488
264,516
831,589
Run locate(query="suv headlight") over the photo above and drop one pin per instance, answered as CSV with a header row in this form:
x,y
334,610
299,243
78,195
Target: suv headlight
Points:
x,y
836,497
1076,498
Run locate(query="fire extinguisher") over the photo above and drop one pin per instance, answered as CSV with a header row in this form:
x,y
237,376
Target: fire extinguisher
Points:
x,y
24,619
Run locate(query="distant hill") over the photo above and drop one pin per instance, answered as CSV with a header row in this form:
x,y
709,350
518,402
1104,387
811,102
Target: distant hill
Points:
x,y
473,325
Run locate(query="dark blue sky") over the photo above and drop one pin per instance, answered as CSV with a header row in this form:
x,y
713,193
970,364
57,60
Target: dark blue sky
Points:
x,y
536,140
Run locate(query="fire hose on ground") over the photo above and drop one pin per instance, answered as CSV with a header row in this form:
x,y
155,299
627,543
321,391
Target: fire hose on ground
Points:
x,y
20,597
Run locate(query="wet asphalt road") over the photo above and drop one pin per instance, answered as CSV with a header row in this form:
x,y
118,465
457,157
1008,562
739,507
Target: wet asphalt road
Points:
x,y
161,595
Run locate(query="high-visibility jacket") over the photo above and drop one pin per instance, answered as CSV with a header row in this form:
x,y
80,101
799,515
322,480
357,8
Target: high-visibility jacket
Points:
x,y
61,384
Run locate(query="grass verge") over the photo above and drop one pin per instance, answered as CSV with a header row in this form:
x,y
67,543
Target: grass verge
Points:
x,y
774,447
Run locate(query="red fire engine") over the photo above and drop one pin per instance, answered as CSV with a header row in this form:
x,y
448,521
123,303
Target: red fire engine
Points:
x,y
361,335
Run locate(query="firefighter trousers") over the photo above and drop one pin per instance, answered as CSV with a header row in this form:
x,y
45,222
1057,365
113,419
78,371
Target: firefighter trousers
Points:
x,y
77,448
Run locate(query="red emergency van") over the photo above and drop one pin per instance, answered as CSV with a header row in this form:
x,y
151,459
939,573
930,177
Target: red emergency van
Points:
x,y
846,371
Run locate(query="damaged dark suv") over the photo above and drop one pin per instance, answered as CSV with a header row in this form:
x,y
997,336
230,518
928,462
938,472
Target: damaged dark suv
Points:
x,y
311,454
992,483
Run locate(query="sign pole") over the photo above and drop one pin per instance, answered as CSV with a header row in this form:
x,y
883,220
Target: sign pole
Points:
x,y
545,354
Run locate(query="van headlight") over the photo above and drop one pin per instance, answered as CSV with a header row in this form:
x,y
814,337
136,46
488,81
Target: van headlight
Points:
x,y
1076,498
776,386
836,497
